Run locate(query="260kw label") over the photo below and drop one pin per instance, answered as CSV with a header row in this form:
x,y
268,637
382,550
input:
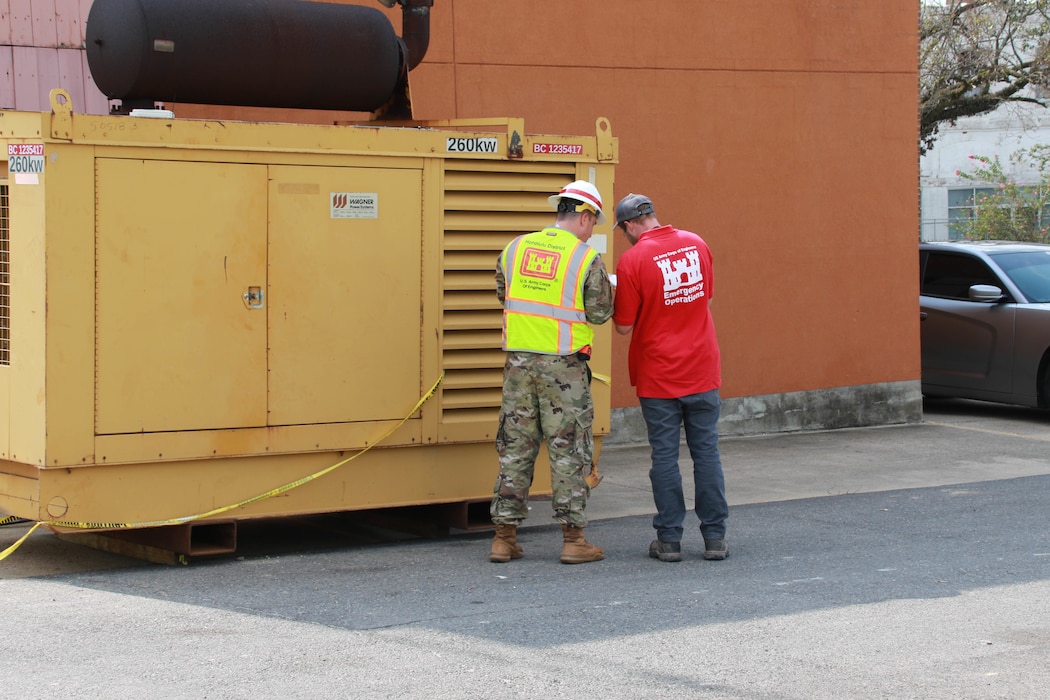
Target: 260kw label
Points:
x,y
471,145
25,164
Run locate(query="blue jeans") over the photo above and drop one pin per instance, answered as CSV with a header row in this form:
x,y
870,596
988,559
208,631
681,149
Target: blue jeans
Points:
x,y
664,419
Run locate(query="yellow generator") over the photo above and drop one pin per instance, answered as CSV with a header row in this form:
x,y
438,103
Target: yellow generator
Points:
x,y
207,321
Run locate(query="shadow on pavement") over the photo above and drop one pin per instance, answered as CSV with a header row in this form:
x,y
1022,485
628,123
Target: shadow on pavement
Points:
x,y
786,557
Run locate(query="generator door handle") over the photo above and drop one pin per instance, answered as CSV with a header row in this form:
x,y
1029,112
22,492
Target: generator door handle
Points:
x,y
253,298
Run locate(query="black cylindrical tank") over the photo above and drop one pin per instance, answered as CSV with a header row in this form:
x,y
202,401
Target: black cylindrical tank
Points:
x,y
258,53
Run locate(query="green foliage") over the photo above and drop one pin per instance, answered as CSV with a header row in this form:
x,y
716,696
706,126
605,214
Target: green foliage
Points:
x,y
1012,212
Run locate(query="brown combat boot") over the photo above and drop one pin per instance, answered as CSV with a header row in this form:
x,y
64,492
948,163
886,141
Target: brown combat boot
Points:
x,y
505,544
577,550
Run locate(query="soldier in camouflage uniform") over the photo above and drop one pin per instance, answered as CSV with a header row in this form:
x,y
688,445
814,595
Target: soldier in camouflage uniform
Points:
x,y
546,388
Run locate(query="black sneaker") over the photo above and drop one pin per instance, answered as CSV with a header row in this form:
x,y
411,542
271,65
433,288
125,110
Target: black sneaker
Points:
x,y
665,551
715,550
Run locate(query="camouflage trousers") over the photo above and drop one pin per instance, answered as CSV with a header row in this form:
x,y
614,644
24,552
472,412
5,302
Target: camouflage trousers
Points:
x,y
546,399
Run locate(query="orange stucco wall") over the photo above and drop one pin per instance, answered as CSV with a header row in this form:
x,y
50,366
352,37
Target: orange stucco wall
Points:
x,y
782,131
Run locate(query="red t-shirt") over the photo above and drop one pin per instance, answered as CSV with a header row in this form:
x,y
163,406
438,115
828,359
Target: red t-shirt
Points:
x,y
663,286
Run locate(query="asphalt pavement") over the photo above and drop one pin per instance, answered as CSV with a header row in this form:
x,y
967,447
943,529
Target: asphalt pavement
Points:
x,y
894,562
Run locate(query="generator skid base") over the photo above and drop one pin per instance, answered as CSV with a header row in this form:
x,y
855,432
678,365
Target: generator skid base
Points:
x,y
208,321
170,544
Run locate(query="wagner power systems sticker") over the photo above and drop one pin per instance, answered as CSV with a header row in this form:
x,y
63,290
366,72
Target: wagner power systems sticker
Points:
x,y
354,205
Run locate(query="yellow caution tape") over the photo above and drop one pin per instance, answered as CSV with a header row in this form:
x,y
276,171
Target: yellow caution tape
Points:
x,y
262,496
10,550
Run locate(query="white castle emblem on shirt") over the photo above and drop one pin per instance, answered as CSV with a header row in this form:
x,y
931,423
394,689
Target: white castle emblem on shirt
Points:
x,y
681,272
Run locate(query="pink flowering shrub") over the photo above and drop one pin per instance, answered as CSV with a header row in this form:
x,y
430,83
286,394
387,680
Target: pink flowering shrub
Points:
x,y
1012,211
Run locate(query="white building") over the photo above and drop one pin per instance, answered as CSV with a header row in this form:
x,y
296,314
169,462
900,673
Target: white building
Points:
x,y
945,196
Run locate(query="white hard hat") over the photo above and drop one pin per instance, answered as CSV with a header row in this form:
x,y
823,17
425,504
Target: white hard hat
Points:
x,y
583,192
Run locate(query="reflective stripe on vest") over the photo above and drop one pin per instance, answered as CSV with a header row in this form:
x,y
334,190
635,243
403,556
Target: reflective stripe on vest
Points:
x,y
543,308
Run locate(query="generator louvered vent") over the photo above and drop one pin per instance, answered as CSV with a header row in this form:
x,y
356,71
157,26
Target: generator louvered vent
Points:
x,y
487,204
5,277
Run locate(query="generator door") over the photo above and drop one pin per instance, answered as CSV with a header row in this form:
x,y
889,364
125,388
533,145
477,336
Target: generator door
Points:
x,y
344,293
180,247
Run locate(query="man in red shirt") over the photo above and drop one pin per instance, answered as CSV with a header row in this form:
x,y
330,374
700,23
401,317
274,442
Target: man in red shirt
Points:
x,y
664,284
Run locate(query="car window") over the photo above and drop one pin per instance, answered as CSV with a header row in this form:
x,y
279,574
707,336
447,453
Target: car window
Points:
x,y
1030,271
951,275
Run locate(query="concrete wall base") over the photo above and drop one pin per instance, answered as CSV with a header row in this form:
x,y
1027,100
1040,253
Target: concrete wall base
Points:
x,y
889,403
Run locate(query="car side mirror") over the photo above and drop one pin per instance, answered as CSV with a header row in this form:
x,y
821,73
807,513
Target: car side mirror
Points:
x,y
987,293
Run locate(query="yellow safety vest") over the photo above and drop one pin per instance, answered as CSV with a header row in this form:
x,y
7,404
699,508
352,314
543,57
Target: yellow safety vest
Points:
x,y
543,308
